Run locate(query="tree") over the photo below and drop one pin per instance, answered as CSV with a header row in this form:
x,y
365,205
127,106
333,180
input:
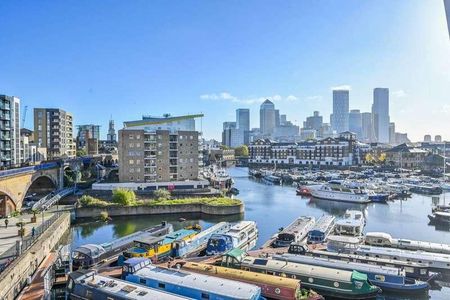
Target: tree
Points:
x,y
124,197
81,152
162,194
241,151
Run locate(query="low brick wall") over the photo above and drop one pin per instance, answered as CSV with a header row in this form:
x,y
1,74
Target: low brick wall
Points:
x,y
14,277
93,212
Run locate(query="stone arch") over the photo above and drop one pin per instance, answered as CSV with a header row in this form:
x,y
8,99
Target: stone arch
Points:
x,y
8,203
42,182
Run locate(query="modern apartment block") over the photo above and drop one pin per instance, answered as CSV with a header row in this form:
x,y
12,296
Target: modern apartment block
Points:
x,y
9,131
380,114
159,149
86,132
53,130
339,120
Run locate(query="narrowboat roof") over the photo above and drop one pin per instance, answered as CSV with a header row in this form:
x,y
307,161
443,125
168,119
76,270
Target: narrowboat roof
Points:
x,y
338,264
383,235
211,284
343,239
239,226
177,234
306,270
212,229
123,288
236,253
149,239
323,223
236,274
298,223
420,255
90,249
136,261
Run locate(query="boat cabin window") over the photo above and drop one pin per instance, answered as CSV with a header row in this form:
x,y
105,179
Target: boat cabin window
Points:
x,y
161,285
142,280
205,296
88,293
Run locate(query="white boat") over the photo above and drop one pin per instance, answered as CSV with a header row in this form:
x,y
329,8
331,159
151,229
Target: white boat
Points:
x,y
294,232
438,262
242,235
340,193
445,185
383,239
352,224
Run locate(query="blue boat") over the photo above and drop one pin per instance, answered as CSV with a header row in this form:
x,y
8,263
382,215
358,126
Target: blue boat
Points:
x,y
242,235
196,244
323,227
387,278
193,285
378,197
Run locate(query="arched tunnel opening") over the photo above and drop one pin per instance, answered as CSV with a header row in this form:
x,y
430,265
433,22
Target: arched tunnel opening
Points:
x,y
39,188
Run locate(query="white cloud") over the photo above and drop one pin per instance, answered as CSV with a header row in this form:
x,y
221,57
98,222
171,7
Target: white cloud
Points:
x,y
341,87
314,98
226,96
399,94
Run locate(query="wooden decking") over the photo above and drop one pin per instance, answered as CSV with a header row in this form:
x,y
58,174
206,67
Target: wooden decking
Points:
x,y
35,290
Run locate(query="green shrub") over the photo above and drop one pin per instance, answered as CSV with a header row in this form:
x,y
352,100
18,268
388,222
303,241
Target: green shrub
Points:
x,y
161,194
214,201
124,197
104,216
89,201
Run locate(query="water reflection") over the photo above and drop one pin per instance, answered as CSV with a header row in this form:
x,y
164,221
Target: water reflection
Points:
x,y
335,208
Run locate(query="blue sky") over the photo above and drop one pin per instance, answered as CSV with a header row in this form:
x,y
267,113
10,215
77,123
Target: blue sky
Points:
x,y
123,59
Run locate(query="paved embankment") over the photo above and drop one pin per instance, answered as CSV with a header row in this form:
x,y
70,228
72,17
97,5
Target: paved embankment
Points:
x,y
220,210
15,276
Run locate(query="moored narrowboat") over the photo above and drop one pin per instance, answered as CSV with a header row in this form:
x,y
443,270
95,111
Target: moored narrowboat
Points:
x,y
387,278
187,284
272,287
327,282
294,232
242,235
323,227
87,285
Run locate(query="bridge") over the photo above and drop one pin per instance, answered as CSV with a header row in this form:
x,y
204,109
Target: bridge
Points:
x,y
15,184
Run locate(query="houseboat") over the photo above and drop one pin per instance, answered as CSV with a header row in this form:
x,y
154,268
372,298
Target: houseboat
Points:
x,y
323,227
157,247
414,270
335,192
87,285
294,232
425,189
387,278
436,261
193,285
382,239
352,224
242,235
327,282
440,217
272,287
196,244
272,179
89,255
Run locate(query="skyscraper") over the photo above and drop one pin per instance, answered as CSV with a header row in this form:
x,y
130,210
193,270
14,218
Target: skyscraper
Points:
x,y
355,122
447,12
340,110
380,114
313,122
367,127
277,118
243,119
267,117
9,131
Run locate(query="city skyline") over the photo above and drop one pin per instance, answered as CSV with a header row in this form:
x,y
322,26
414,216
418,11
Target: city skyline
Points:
x,y
149,64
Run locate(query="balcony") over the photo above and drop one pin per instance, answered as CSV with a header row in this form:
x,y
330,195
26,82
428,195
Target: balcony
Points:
x,y
5,106
5,117
5,137
5,157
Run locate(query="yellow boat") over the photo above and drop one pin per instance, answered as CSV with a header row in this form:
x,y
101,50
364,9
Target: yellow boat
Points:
x,y
158,246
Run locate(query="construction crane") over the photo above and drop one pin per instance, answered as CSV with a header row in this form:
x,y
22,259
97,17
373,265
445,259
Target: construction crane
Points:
x,y
24,115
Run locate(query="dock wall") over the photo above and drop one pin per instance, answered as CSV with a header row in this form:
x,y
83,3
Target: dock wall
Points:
x,y
94,212
15,276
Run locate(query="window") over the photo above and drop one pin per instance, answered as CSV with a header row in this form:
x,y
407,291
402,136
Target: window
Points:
x,y
205,296
131,137
138,136
161,285
131,162
142,280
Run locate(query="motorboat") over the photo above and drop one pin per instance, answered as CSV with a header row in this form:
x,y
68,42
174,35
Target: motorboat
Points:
x,y
341,193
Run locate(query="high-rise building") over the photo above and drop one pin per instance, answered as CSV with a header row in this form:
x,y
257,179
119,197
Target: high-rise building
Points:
x,y
447,12
277,118
380,114
232,136
111,136
340,110
438,139
159,149
243,119
267,117
283,119
392,136
313,122
9,131
355,122
53,130
367,127
86,132
427,138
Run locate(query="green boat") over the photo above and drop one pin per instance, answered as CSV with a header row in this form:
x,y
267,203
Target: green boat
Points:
x,y
326,281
